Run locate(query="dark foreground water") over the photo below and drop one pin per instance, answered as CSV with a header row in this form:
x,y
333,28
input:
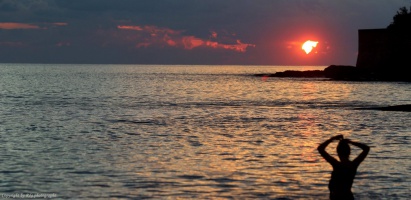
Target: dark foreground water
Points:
x,y
193,132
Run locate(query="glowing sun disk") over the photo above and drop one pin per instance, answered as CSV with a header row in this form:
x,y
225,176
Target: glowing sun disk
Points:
x,y
308,46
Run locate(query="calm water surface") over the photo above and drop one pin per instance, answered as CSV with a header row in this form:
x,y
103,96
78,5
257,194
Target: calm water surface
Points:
x,y
194,132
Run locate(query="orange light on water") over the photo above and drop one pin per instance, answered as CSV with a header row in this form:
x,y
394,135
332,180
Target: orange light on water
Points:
x,y
308,46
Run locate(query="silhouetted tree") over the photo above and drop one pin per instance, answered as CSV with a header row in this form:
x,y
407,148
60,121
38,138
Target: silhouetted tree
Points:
x,y
402,20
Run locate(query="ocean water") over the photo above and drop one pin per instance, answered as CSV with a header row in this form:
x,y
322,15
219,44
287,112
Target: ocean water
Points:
x,y
193,132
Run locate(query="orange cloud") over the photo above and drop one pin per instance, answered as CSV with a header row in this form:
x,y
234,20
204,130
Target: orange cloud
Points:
x,y
241,47
60,24
159,36
136,28
12,25
154,30
191,42
213,34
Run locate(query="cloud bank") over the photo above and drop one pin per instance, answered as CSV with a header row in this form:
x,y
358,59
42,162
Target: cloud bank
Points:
x,y
147,36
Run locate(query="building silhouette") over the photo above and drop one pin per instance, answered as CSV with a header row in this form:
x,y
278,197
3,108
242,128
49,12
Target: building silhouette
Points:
x,y
384,49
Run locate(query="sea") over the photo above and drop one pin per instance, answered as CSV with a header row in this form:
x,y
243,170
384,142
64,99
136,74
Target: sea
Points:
x,y
71,131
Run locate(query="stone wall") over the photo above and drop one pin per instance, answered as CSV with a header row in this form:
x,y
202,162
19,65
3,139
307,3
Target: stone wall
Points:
x,y
384,49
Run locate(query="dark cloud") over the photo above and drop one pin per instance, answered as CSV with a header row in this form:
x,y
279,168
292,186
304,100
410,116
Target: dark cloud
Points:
x,y
205,32
24,5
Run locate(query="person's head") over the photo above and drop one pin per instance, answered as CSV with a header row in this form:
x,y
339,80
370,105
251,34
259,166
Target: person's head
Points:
x,y
343,149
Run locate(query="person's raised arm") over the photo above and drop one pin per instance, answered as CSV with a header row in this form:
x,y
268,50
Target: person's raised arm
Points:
x,y
363,154
324,154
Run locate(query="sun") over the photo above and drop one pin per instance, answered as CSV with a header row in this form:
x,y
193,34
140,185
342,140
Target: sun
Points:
x,y
309,45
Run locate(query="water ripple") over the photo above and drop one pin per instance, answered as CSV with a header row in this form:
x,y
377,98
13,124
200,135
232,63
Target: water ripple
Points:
x,y
208,133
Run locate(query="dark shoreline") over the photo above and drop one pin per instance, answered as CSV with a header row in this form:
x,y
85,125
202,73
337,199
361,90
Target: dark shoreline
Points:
x,y
402,108
345,73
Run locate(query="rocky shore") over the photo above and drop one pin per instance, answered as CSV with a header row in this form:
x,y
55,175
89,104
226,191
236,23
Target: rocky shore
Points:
x,y
351,73
345,73
403,108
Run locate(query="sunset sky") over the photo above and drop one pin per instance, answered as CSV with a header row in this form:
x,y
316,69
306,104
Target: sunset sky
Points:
x,y
249,32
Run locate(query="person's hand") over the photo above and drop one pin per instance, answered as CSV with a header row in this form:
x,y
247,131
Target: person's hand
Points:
x,y
338,137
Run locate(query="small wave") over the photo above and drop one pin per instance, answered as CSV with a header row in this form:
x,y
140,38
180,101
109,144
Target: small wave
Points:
x,y
191,177
275,104
143,122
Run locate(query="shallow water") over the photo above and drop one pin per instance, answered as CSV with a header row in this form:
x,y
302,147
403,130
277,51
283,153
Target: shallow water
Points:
x,y
124,131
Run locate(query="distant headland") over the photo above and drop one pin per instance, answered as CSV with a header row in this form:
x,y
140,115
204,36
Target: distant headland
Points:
x,y
383,55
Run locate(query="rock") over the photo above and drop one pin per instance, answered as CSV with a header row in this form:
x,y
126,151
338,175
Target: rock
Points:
x,y
346,73
301,74
341,72
403,108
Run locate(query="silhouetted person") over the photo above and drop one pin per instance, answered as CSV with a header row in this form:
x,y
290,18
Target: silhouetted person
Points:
x,y
344,170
